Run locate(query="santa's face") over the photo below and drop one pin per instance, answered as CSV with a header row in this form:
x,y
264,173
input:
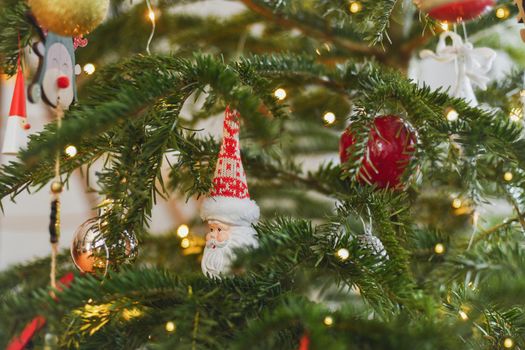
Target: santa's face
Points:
x,y
221,241
218,233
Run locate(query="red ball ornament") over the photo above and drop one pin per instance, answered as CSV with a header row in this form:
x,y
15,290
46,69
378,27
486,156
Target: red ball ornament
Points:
x,y
391,146
454,10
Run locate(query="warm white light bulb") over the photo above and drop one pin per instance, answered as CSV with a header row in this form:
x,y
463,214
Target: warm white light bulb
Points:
x,y
170,326
328,321
452,115
183,231
185,243
508,176
343,254
439,248
457,203
329,118
71,151
502,12
508,343
355,7
280,94
89,68
151,15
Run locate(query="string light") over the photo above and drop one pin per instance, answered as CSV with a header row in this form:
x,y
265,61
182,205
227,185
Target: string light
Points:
x,y
89,68
452,115
343,254
151,15
328,321
318,52
508,176
463,315
515,114
185,243
355,7
439,248
170,326
444,26
502,12
183,231
280,94
508,343
329,118
457,203
71,151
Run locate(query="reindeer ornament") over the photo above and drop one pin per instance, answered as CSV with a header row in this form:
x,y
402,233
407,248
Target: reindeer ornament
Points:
x,y
55,79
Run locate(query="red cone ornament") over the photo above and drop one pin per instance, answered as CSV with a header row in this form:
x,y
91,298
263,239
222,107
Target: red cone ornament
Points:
x,y
304,342
21,341
391,146
16,132
454,10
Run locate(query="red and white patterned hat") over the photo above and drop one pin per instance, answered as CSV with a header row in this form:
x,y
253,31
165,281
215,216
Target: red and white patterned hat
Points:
x,y
229,200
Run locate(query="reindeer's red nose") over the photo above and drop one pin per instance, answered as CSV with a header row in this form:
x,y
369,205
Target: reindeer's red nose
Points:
x,y
63,82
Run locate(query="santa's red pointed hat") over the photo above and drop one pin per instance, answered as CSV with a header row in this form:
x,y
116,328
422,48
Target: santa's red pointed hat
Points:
x,y
229,200
18,102
15,136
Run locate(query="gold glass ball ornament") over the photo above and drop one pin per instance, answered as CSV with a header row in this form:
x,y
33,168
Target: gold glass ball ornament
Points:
x,y
91,254
56,187
69,17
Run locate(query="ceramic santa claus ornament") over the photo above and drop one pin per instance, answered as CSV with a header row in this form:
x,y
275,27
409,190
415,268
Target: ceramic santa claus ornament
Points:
x,y
228,210
17,129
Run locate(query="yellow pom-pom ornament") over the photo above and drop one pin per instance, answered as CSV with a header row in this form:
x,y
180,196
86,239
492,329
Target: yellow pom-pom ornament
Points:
x,y
69,17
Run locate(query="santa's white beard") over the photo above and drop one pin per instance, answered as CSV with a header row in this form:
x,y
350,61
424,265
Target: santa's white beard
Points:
x,y
217,256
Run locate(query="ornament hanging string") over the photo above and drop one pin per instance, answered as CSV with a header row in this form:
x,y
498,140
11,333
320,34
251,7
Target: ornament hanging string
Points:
x,y
151,15
465,35
475,218
367,227
19,61
56,189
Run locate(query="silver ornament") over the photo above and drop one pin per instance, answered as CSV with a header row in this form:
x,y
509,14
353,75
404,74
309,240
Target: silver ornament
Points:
x,y
89,250
374,244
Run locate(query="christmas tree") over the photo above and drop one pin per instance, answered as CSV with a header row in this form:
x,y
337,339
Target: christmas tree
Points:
x,y
411,238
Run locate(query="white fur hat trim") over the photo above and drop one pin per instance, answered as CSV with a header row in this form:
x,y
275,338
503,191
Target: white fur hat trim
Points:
x,y
230,210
